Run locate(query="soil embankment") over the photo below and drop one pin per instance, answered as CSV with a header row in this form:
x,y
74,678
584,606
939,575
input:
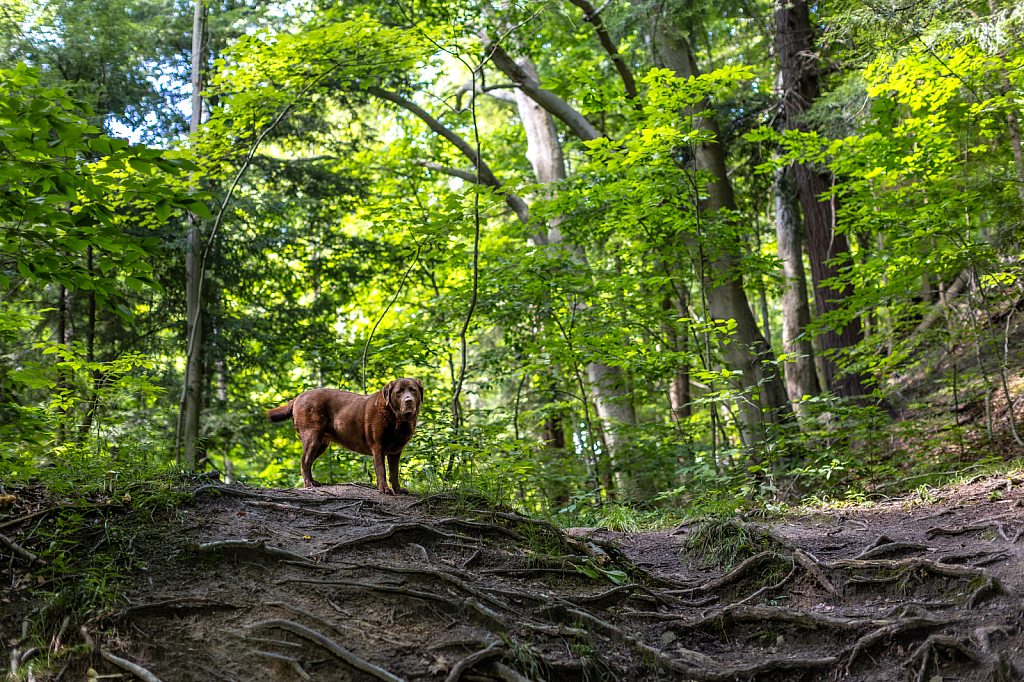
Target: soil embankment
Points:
x,y
340,583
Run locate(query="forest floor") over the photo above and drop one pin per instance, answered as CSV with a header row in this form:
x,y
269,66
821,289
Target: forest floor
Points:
x,y
341,583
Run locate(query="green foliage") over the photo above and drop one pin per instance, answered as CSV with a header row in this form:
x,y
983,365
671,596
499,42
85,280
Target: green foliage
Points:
x,y
63,182
344,254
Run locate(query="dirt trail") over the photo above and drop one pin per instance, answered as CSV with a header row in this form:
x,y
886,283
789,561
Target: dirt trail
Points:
x,y
340,583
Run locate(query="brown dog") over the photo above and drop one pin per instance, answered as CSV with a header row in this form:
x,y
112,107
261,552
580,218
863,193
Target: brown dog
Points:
x,y
378,425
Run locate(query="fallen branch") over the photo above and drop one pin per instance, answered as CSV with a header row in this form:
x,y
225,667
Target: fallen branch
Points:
x,y
27,517
21,551
331,646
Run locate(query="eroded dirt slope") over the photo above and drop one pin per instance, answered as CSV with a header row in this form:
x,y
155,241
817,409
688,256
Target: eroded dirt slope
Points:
x,y
339,583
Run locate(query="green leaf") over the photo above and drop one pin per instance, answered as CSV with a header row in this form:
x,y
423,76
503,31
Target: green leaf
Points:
x,y
163,210
136,284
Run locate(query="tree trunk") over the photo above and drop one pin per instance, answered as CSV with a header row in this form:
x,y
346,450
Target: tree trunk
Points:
x,y
800,88
615,410
62,335
544,152
746,351
801,379
679,385
90,356
192,396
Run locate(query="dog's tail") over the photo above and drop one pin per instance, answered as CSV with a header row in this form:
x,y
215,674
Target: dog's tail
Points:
x,y
279,414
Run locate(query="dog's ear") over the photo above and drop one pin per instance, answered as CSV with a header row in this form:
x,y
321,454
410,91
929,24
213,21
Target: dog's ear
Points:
x,y
385,392
419,385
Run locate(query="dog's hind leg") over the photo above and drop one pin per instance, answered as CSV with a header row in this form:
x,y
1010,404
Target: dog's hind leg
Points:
x,y
310,451
393,470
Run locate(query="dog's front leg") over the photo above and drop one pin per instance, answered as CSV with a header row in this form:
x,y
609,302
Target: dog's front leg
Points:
x,y
378,470
393,467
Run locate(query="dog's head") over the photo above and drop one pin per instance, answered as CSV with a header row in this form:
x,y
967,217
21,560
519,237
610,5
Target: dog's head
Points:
x,y
404,396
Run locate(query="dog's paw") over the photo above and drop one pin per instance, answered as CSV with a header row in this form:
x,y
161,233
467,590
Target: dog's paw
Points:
x,y
386,490
399,490
311,483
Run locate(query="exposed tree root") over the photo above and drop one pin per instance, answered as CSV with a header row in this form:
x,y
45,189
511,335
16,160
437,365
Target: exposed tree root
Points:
x,y
476,525
769,588
526,520
391,530
183,602
960,530
889,630
237,492
528,571
877,549
814,570
626,590
927,654
258,546
440,575
331,646
906,566
415,594
121,663
492,651
290,660
694,665
266,640
731,576
302,510
508,674
811,620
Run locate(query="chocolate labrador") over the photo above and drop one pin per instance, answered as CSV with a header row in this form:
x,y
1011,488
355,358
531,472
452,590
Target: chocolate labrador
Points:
x,y
378,425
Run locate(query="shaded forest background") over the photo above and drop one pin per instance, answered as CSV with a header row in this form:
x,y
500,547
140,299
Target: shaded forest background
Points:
x,y
645,257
